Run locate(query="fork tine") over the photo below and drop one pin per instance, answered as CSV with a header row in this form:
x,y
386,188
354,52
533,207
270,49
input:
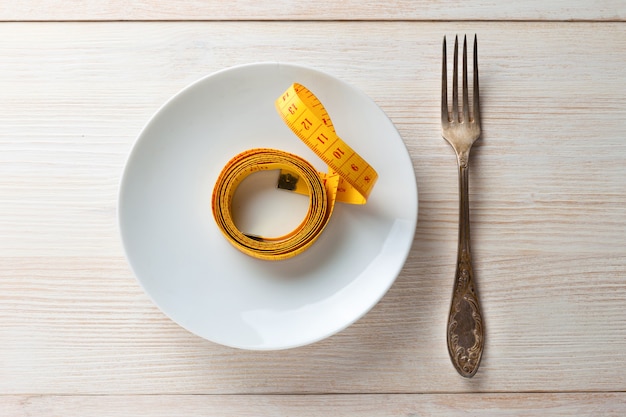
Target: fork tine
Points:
x,y
455,82
476,104
465,87
444,87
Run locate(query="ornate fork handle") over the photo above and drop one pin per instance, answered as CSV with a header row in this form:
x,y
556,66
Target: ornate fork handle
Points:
x,y
465,322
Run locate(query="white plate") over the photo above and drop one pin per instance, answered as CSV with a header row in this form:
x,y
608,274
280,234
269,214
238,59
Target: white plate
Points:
x,y
199,279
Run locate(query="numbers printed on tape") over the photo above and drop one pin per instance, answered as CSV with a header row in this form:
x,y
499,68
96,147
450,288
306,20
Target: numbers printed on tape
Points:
x,y
350,178
308,119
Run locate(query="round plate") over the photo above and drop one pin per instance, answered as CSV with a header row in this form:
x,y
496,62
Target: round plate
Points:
x,y
196,277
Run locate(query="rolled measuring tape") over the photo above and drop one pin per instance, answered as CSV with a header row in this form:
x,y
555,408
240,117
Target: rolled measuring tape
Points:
x,y
350,178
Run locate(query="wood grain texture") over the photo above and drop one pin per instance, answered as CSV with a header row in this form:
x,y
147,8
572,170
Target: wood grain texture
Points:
x,y
424,10
76,95
546,191
402,405
83,326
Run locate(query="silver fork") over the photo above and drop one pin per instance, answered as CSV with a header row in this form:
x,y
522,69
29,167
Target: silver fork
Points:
x,y
465,332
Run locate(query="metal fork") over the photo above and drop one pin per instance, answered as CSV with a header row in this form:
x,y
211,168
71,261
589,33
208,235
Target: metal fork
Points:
x,y
465,332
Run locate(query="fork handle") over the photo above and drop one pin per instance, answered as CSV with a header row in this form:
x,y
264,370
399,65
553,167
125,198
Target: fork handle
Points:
x,y
465,331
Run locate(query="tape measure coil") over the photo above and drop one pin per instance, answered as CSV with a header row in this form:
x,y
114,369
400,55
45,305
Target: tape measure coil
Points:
x,y
350,178
254,160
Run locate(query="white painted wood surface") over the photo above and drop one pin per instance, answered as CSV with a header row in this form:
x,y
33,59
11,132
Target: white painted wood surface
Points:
x,y
548,200
424,10
383,405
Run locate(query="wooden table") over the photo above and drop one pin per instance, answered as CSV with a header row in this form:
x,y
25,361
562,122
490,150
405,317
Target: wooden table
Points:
x,y
79,337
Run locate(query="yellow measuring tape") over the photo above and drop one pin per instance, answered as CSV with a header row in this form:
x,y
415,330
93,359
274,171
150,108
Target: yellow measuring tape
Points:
x,y
350,178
